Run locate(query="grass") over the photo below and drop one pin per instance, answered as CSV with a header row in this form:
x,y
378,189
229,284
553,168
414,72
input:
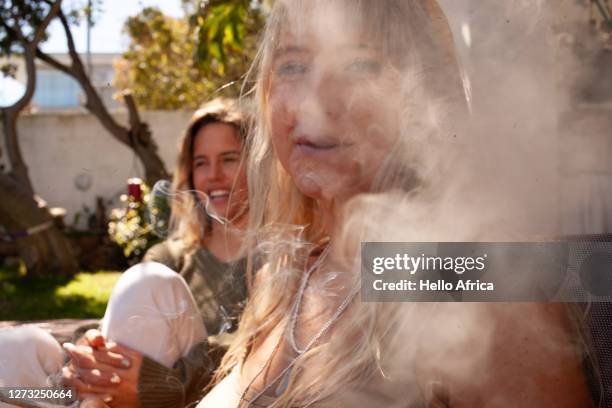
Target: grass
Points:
x,y
83,296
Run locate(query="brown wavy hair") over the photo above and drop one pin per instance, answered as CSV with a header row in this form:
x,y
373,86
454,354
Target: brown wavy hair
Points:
x,y
188,220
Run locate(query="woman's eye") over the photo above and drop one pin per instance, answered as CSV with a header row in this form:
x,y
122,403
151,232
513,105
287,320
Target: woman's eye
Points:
x,y
364,66
292,68
199,163
230,160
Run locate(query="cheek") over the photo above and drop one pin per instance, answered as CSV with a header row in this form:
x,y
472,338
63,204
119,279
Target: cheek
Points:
x,y
236,176
241,186
374,123
281,122
374,106
230,171
199,181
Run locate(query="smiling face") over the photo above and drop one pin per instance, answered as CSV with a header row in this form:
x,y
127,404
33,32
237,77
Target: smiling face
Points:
x,y
331,107
216,168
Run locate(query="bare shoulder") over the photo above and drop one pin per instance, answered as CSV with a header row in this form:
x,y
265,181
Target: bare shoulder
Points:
x,y
521,354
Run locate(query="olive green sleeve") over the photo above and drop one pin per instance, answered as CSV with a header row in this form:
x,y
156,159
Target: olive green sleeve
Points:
x,y
176,387
168,253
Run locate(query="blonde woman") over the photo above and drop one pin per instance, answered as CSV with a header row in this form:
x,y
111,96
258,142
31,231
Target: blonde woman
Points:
x,y
345,93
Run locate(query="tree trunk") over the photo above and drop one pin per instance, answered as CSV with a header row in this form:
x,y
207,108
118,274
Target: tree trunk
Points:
x,y
137,137
44,249
40,244
19,170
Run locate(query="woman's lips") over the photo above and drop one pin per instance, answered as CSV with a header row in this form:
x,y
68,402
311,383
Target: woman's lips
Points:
x,y
308,148
218,195
311,146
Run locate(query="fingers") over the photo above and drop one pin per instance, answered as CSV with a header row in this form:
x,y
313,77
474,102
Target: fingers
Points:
x,y
71,379
97,377
94,401
87,357
94,338
123,350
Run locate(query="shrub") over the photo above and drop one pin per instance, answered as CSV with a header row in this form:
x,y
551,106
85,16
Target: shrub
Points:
x,y
140,223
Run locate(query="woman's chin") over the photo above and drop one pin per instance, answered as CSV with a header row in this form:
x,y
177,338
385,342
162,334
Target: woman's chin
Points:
x,y
327,180
330,188
309,186
219,209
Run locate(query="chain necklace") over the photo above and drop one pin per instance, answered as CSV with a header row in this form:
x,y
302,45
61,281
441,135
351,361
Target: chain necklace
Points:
x,y
295,309
291,328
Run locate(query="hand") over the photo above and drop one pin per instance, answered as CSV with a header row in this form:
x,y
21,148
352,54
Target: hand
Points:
x,y
93,402
92,338
106,370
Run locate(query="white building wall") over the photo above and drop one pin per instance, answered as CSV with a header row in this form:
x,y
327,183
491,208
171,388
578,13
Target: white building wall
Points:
x,y
58,147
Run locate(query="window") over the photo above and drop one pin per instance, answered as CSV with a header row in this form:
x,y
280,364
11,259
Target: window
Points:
x,y
56,90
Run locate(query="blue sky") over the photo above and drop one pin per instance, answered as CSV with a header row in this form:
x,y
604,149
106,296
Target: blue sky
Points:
x,y
107,34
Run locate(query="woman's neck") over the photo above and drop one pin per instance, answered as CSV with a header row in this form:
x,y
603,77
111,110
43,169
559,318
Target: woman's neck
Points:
x,y
330,214
225,241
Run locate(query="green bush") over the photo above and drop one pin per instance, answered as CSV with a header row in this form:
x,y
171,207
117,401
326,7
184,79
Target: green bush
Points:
x,y
129,225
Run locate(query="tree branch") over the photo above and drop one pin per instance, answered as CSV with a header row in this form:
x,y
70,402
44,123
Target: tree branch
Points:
x,y
15,32
40,31
74,55
54,63
20,36
138,129
133,114
29,48
138,136
10,113
77,70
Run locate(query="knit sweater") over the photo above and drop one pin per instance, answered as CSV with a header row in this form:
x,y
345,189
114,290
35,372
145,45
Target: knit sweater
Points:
x,y
220,292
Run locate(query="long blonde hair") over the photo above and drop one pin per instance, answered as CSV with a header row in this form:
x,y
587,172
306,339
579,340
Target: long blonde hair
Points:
x,y
188,219
284,224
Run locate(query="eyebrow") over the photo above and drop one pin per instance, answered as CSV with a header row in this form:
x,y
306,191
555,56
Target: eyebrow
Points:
x,y
358,46
291,49
294,49
226,153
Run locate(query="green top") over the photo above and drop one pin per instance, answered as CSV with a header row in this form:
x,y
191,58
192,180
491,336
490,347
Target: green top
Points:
x,y
219,289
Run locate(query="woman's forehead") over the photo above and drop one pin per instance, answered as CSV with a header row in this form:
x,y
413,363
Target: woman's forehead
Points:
x,y
318,23
317,37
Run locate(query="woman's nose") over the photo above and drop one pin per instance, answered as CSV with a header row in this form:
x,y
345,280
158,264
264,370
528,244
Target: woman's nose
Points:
x,y
216,171
323,97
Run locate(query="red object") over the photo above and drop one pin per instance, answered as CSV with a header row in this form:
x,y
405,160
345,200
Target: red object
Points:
x,y
135,189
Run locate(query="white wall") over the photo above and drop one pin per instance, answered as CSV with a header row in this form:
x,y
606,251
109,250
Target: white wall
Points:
x,y
58,147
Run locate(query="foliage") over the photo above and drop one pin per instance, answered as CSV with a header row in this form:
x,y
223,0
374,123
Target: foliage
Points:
x,y
20,17
226,29
220,30
28,15
23,25
179,63
84,296
24,15
82,11
157,68
129,226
